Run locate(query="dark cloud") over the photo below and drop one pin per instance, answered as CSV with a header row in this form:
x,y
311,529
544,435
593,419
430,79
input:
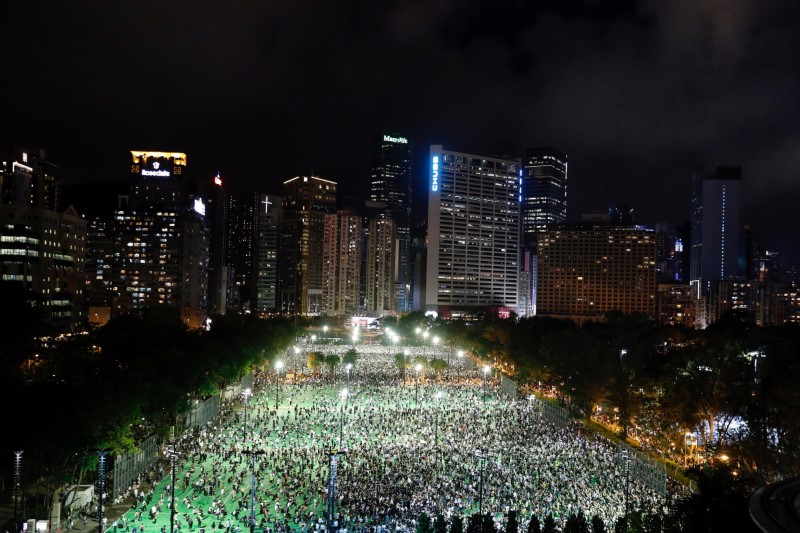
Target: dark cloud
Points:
x,y
640,94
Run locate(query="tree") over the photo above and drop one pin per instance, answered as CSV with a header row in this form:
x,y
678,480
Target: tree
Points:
x,y
456,524
350,357
549,524
598,526
439,524
424,523
315,361
533,525
438,366
332,361
400,361
511,523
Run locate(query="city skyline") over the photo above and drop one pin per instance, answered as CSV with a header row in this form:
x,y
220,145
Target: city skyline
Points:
x,y
639,95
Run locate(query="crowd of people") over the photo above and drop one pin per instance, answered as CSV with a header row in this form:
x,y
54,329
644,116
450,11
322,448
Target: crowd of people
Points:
x,y
447,444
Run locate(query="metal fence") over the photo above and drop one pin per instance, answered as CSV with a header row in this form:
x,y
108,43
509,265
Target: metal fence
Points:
x,y
508,386
247,381
643,469
127,467
552,412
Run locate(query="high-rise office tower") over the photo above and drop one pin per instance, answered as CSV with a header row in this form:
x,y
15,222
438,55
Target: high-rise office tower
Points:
x,y
715,220
41,248
28,179
306,201
543,200
99,265
391,184
161,244
586,271
473,233
266,252
341,270
544,192
672,246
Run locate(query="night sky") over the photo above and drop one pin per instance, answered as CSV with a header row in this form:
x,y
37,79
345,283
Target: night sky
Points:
x,y
638,94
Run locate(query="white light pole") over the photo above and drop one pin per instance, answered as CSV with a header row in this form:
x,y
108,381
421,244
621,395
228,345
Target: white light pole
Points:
x,y
486,370
344,395
349,367
278,366
460,362
246,393
418,367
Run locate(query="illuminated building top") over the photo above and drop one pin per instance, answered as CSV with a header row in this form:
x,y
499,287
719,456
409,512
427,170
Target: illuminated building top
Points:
x,y
179,158
393,139
306,178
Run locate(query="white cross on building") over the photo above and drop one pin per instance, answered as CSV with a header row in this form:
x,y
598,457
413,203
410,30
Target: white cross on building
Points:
x,y
266,203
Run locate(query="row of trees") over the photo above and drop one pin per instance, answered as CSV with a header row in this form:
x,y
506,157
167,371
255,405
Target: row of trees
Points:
x,y
733,383
69,396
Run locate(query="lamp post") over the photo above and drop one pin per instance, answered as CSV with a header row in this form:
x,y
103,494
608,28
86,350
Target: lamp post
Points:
x,y
405,364
343,394
172,454
418,367
246,393
101,471
252,454
482,458
17,486
349,367
460,362
425,340
438,397
278,366
296,362
486,370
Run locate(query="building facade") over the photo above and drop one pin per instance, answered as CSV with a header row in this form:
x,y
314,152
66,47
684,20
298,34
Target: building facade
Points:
x,y
380,265
266,252
473,234
586,271
161,244
391,184
715,228
341,270
306,201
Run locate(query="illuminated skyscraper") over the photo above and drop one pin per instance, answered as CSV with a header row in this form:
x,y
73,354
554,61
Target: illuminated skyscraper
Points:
x,y
161,243
306,201
716,202
473,233
266,252
391,184
42,248
544,203
544,192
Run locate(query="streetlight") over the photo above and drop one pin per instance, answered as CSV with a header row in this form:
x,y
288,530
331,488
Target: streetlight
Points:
x,y
349,367
486,370
438,397
246,393
278,366
343,394
296,362
405,363
482,458
172,454
418,367
252,454
461,362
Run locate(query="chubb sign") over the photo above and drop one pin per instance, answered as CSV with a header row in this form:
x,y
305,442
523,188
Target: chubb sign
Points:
x,y
435,173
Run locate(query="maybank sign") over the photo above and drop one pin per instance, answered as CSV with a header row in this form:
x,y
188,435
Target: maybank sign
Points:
x,y
435,173
390,139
